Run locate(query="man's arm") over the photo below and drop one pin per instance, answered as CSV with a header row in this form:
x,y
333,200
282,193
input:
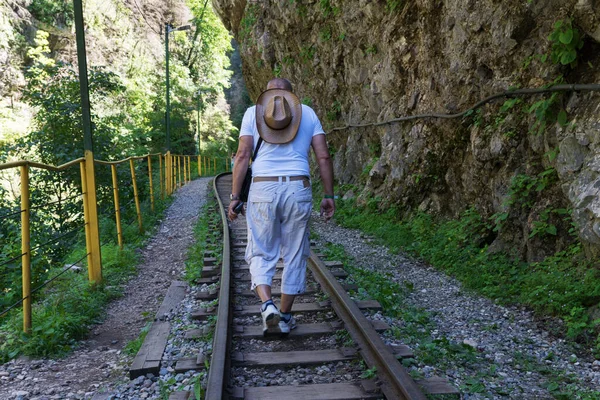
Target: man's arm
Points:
x,y
319,145
242,159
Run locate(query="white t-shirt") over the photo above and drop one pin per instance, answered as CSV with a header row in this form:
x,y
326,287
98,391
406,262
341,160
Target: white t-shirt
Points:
x,y
289,159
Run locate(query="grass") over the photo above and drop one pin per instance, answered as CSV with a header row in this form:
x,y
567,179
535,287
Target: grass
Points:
x,y
206,239
70,305
133,346
562,285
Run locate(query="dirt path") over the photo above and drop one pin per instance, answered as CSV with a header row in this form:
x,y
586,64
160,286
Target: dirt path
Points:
x,y
98,360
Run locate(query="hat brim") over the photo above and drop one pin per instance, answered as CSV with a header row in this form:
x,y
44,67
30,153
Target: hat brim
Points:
x,y
278,136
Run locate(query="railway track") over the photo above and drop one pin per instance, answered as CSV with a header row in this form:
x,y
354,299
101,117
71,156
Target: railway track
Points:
x,y
335,353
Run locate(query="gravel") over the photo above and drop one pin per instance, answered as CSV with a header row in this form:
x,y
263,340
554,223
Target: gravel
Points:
x,y
98,368
504,337
508,340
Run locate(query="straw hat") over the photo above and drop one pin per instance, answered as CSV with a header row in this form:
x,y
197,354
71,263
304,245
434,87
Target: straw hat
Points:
x,y
278,115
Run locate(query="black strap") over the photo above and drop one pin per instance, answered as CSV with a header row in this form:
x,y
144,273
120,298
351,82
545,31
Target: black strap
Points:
x,y
256,149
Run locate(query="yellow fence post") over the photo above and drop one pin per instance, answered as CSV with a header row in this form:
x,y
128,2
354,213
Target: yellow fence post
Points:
x,y
175,163
115,181
168,173
204,160
179,171
150,182
174,172
185,177
160,176
189,168
199,167
25,249
171,174
135,196
92,239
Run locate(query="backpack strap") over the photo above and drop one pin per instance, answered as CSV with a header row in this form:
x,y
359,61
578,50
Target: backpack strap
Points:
x,y
257,147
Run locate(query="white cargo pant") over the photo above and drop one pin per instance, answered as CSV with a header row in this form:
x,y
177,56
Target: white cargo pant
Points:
x,y
278,217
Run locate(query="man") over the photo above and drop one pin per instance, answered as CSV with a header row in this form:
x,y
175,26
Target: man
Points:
x,y
280,200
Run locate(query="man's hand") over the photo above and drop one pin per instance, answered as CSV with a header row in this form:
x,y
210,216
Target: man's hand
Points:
x,y
327,208
230,211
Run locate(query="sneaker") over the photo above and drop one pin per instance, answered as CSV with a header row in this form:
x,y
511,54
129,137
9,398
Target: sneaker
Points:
x,y
270,316
286,325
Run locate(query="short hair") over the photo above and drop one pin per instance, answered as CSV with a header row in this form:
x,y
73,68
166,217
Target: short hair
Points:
x,y
280,83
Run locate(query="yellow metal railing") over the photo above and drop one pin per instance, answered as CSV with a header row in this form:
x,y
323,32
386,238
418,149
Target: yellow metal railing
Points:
x,y
174,172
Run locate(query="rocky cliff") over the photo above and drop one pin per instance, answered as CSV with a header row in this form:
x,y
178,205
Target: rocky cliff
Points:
x,y
532,165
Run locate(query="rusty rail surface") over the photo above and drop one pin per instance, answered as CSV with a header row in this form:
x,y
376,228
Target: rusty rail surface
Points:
x,y
218,371
396,382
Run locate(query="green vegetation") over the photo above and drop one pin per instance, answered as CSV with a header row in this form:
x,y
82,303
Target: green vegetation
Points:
x,y
248,21
343,338
369,373
128,108
325,33
371,50
523,193
334,111
66,308
134,346
307,101
566,40
53,12
307,53
563,285
328,9
206,240
546,113
416,330
393,5
277,71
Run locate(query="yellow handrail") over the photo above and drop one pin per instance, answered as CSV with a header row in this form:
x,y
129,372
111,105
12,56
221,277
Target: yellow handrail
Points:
x,y
115,181
135,196
174,172
30,164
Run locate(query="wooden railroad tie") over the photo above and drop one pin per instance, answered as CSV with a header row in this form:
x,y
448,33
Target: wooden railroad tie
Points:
x,y
324,328
243,276
207,295
150,354
293,358
330,391
191,364
277,292
241,311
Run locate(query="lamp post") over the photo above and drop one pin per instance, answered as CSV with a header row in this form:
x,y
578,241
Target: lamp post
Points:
x,y
169,29
198,124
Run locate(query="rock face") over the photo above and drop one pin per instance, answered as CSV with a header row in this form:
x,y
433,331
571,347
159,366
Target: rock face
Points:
x,y
366,61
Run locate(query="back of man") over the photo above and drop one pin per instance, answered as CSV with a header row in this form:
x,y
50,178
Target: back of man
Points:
x,y
280,200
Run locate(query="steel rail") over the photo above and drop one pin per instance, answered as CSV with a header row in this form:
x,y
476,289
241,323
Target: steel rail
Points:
x,y
215,385
396,382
